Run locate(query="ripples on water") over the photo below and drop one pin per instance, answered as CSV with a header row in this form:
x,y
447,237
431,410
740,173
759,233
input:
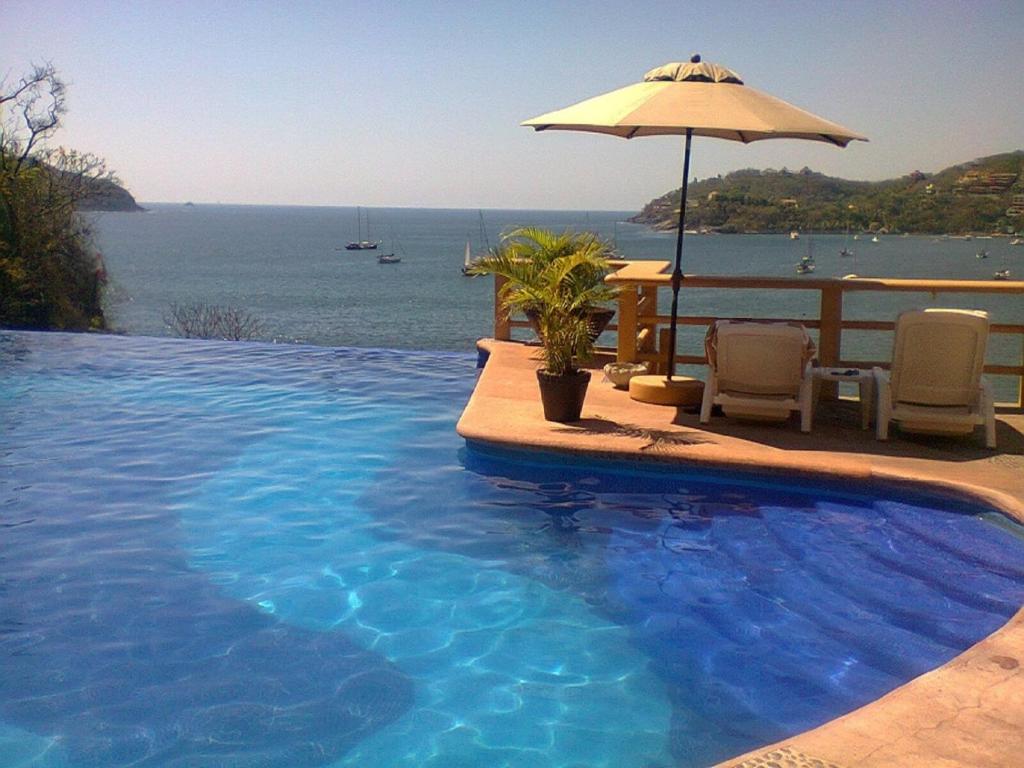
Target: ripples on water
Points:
x,y
238,555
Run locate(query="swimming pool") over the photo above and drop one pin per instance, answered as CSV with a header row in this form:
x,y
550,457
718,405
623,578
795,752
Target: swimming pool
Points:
x,y
260,555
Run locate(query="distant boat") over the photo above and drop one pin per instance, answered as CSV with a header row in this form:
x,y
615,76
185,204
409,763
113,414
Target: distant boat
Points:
x,y
615,253
1017,241
845,250
359,244
1001,274
808,257
392,257
982,254
875,239
190,204
806,264
856,237
485,245
794,235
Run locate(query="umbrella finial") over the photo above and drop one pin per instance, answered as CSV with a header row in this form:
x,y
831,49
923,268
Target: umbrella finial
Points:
x,y
694,70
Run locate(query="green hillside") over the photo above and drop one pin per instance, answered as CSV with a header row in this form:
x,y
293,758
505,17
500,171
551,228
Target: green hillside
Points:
x,y
983,196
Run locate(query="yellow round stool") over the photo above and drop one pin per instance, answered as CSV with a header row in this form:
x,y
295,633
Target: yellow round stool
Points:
x,y
680,391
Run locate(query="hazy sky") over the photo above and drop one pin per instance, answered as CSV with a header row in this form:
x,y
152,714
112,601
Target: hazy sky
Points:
x,y
419,104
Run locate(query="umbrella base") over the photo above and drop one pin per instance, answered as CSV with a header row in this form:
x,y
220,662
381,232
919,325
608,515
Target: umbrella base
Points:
x,y
680,391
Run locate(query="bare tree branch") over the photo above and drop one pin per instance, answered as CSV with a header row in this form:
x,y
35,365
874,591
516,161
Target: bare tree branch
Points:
x,y
207,321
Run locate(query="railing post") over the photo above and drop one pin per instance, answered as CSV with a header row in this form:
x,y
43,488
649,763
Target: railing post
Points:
x,y
830,335
1020,379
648,305
502,327
626,351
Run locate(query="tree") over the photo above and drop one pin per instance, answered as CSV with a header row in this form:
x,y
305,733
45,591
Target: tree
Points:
x,y
51,276
206,321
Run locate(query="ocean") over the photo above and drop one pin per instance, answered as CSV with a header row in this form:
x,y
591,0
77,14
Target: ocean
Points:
x,y
287,267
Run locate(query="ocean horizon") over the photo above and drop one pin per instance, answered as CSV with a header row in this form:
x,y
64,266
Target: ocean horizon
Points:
x,y
286,266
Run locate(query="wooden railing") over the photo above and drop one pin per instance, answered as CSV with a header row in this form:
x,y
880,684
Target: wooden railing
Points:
x,y
643,331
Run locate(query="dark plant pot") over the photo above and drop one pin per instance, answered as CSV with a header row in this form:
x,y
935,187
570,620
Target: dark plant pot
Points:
x,y
562,396
597,320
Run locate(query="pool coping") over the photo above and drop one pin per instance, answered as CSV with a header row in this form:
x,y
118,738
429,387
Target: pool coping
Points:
x,y
964,713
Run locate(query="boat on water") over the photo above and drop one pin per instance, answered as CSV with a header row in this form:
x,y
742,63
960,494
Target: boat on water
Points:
x,y
1017,241
875,239
856,237
388,258
467,263
485,246
794,235
806,265
359,244
845,250
615,253
982,254
1001,274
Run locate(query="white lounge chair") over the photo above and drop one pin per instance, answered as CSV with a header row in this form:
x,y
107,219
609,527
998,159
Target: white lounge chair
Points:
x,y
935,384
759,371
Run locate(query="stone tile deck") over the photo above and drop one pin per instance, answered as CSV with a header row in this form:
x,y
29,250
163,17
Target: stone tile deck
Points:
x,y
968,713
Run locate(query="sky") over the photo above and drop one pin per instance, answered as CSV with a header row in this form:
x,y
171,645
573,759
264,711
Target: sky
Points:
x,y
418,104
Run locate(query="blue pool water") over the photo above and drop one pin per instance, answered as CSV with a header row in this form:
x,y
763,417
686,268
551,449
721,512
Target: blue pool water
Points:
x,y
256,555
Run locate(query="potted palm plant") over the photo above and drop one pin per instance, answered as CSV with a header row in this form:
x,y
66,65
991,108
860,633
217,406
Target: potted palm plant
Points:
x,y
559,280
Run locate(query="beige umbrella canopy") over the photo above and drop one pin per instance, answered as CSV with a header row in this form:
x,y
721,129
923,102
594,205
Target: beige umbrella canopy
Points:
x,y
694,98
708,99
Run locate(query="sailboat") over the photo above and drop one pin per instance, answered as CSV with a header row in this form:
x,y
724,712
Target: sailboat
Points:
x,y
359,244
845,251
390,258
806,265
1003,273
467,263
615,253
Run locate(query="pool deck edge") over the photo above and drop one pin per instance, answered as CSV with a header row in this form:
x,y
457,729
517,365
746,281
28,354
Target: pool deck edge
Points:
x,y
966,713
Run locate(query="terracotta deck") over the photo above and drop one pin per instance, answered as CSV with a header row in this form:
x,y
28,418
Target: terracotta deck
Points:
x,y
967,713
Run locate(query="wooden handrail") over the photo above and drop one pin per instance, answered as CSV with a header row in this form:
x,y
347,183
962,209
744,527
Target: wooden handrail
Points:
x,y
641,329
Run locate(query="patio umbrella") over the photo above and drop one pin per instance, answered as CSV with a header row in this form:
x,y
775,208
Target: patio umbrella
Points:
x,y
694,98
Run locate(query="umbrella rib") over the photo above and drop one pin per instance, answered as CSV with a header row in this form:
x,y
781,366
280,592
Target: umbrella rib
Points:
x,y
828,138
632,133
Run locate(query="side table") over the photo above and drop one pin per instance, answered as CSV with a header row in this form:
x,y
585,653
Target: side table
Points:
x,y
865,384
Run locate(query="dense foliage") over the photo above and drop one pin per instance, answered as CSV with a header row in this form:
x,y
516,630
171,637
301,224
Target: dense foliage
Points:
x,y
51,277
973,197
559,278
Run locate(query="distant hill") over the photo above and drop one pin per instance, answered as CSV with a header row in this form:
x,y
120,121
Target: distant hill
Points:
x,y
984,195
108,196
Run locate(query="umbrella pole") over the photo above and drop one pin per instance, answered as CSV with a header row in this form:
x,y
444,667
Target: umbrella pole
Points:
x,y
677,273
